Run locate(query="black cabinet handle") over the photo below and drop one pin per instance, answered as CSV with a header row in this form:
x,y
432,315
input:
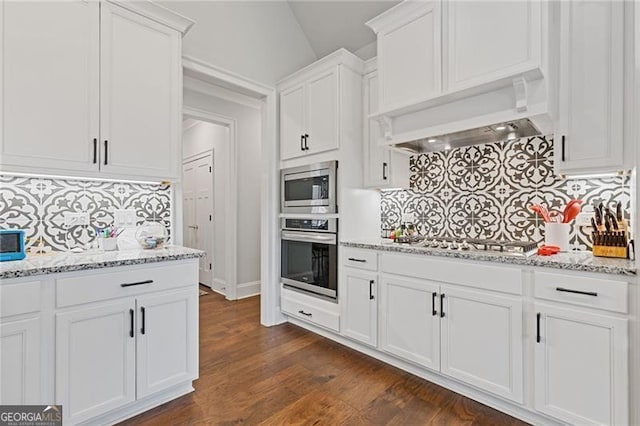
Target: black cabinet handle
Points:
x,y
371,282
306,142
301,142
585,293
106,151
353,259
538,315
95,150
131,326
143,311
563,144
384,170
136,283
305,314
442,305
433,304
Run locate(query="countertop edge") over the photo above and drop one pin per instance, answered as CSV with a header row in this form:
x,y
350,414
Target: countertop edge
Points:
x,y
533,261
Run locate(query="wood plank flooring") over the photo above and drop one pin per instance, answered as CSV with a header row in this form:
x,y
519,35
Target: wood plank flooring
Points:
x,y
250,374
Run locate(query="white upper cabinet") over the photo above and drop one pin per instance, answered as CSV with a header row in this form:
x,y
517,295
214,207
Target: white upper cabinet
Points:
x,y
409,52
90,89
319,106
141,94
487,41
309,116
589,129
383,168
49,84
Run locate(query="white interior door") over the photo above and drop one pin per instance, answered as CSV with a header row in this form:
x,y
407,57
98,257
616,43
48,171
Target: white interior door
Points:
x,y
49,84
198,212
167,340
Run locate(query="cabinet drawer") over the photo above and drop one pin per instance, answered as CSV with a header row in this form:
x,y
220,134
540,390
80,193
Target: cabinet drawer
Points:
x,y
19,298
361,259
311,313
123,282
591,292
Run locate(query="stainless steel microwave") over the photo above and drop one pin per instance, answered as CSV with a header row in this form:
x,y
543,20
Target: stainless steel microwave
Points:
x,y
309,189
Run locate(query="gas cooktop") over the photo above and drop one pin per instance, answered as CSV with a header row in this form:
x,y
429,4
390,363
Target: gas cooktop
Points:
x,y
506,247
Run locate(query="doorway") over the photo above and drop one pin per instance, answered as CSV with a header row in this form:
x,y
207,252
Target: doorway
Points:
x,y
197,195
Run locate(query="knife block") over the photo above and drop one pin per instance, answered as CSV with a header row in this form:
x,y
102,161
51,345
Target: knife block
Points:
x,y
611,243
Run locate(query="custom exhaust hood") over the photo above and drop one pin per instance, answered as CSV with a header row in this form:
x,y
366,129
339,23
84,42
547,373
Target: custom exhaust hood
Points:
x,y
498,132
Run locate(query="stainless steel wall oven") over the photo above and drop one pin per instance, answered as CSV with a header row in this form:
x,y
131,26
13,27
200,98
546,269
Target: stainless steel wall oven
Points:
x,y
309,255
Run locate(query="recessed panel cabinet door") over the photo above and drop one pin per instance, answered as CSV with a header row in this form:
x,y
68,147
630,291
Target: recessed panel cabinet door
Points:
x,y
140,95
581,373
322,112
482,340
589,135
95,359
167,340
49,85
409,320
360,308
487,41
20,362
410,59
292,122
377,159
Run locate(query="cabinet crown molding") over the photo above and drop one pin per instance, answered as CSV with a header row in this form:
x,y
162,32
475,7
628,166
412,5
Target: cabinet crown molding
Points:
x,y
158,13
399,15
339,57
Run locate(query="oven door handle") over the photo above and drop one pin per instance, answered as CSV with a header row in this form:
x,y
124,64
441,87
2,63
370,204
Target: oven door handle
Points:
x,y
308,237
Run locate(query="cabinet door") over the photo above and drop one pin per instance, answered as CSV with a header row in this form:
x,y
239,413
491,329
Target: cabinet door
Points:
x,y
167,340
20,362
482,340
360,306
140,95
410,59
322,112
487,41
49,85
409,320
589,132
581,374
95,359
292,122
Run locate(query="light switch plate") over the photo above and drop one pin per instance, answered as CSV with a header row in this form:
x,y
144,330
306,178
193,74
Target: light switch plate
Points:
x,y
76,218
584,219
124,218
408,218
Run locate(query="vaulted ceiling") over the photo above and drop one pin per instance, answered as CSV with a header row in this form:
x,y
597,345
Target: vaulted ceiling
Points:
x,y
332,24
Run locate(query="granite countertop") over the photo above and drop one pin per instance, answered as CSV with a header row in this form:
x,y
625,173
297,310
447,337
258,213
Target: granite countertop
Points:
x,y
573,261
56,262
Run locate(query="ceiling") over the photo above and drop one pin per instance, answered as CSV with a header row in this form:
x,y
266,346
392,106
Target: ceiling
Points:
x,y
332,24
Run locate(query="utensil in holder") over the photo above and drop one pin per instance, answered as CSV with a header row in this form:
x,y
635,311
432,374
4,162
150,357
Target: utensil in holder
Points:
x,y
557,234
108,244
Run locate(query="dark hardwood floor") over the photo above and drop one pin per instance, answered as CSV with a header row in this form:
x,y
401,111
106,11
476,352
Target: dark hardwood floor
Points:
x,y
251,374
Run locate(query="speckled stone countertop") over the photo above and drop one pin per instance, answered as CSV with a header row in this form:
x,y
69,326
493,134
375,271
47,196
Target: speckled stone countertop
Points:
x,y
68,262
575,261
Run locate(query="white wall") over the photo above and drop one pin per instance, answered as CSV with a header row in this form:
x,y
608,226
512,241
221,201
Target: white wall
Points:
x,y
259,40
249,154
196,140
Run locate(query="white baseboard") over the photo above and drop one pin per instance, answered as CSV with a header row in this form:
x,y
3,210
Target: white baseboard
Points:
x,y
249,289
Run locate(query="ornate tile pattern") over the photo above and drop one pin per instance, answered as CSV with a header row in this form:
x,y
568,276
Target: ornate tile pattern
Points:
x,y
484,191
38,205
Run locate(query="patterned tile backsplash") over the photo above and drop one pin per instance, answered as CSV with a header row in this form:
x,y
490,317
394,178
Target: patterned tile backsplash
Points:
x,y
38,205
484,191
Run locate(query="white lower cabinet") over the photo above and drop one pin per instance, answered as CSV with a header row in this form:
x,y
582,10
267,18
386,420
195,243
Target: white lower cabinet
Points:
x,y
581,371
360,306
166,340
95,359
409,320
20,361
482,340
